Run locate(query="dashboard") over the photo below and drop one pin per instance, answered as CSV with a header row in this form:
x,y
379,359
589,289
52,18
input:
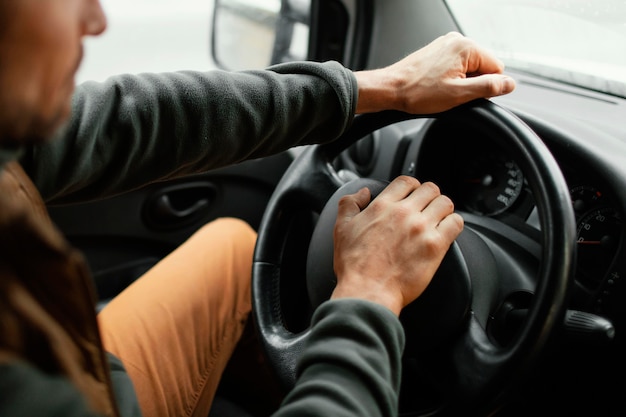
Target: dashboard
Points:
x,y
482,178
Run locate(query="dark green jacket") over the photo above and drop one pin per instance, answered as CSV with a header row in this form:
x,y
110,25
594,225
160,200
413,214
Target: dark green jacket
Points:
x,y
134,130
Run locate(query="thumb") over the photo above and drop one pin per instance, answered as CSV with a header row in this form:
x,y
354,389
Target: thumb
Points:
x,y
488,85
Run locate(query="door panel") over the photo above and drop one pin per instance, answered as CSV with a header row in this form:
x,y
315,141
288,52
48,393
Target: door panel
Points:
x,y
123,236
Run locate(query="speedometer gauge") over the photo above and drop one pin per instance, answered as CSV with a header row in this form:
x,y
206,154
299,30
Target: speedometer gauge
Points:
x,y
598,238
490,184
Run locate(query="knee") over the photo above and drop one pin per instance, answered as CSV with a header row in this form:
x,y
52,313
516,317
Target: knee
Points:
x,y
230,226
230,232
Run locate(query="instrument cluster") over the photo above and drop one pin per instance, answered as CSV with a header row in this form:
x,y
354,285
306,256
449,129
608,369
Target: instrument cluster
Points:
x,y
485,179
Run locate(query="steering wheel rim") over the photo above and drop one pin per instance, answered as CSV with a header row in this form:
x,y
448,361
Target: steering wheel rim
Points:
x,y
481,365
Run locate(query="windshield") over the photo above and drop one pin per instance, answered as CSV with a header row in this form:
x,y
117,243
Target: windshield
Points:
x,y
581,42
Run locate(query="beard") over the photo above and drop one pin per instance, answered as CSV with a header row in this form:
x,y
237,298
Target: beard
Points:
x,y
27,122
26,129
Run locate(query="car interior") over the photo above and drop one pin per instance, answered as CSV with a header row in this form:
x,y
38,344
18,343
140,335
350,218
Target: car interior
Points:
x,y
527,313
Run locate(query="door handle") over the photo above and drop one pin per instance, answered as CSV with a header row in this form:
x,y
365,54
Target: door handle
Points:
x,y
167,212
179,205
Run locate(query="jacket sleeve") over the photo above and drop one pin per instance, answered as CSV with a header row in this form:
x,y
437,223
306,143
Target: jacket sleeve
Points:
x,y
351,365
28,392
123,388
132,130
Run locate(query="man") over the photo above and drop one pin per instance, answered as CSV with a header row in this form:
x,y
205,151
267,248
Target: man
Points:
x,y
171,333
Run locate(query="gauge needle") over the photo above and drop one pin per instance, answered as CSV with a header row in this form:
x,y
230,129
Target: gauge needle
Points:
x,y
589,242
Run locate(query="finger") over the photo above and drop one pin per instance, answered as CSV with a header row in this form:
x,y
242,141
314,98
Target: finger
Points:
x,y
439,207
487,85
451,226
481,61
424,195
401,187
352,204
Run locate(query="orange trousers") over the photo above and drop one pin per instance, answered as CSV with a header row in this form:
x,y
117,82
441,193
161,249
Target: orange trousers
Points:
x,y
176,327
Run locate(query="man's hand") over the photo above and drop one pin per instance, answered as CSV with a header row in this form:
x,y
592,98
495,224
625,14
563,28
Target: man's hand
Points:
x,y
388,250
449,71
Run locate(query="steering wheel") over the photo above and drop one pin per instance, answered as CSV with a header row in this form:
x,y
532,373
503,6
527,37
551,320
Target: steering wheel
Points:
x,y
491,308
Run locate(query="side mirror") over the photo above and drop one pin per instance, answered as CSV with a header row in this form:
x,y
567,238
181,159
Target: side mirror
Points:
x,y
253,34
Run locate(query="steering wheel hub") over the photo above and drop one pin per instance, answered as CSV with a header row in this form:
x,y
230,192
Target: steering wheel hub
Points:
x,y
431,319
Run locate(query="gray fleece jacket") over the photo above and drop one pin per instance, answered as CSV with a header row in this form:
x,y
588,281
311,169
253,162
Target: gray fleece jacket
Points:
x,y
133,130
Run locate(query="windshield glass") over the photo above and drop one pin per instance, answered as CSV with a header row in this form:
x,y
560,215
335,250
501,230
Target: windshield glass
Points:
x,y
581,42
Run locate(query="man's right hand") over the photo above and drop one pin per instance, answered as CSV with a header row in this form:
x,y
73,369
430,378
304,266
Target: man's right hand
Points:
x,y
388,250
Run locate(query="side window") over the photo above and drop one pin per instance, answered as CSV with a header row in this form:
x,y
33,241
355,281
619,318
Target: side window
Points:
x,y
174,35
150,36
